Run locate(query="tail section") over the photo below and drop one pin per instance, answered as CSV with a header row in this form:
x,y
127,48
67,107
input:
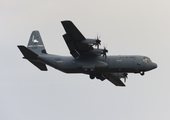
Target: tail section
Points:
x,y
28,54
35,43
33,50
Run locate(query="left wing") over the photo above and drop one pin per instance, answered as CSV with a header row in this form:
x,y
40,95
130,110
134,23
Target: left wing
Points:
x,y
75,40
114,79
72,30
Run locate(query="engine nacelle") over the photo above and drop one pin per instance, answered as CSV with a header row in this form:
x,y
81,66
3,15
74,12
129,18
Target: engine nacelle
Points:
x,y
89,41
97,52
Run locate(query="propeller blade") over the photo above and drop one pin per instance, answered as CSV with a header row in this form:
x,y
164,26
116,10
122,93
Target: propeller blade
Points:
x,y
104,52
97,42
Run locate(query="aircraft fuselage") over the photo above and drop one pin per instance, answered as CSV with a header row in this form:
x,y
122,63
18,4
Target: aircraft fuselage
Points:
x,y
122,64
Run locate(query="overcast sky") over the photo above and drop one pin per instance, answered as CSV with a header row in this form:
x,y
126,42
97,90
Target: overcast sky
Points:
x,y
133,27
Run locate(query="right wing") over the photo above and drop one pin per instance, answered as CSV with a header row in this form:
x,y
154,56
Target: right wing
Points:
x,y
114,79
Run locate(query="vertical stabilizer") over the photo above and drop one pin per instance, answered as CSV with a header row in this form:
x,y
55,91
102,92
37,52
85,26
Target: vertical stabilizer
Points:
x,y
35,43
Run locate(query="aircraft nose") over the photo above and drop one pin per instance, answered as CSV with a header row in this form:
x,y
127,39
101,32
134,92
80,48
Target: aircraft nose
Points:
x,y
154,65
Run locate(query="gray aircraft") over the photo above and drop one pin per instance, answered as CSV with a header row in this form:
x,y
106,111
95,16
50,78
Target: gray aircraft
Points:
x,y
87,57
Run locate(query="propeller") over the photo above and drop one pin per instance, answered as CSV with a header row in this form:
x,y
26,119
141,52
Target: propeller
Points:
x,y
98,42
104,52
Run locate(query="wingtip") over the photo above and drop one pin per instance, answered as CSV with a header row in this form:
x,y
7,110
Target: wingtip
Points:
x,y
64,21
121,85
19,46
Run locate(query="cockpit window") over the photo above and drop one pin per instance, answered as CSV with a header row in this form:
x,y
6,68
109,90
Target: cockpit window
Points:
x,y
146,59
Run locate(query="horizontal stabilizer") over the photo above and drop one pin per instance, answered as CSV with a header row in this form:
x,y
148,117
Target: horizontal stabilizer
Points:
x,y
32,57
28,54
39,65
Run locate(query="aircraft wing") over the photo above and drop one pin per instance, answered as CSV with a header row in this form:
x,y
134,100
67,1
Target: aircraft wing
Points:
x,y
114,79
74,38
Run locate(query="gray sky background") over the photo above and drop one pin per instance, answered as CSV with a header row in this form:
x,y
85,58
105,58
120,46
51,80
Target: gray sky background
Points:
x,y
137,27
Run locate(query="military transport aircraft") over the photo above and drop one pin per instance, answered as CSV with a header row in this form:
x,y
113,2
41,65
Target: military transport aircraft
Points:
x,y
87,57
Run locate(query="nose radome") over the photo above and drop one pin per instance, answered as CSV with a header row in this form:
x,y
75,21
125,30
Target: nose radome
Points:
x,y
154,65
